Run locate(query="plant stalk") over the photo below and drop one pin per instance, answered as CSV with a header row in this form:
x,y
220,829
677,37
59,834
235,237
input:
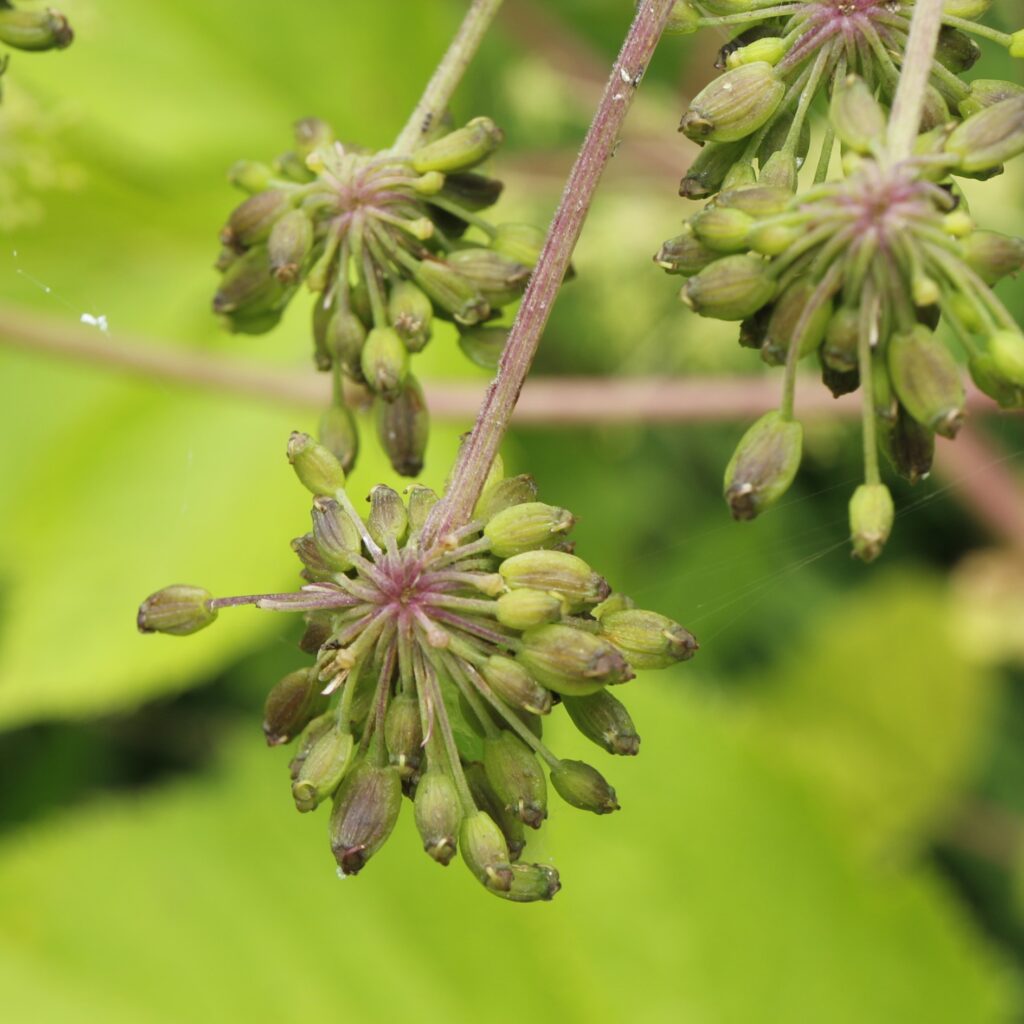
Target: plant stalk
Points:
x,y
915,73
445,80
474,462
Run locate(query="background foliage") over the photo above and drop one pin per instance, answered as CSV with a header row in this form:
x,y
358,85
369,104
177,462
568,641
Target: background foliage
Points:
x,y
822,825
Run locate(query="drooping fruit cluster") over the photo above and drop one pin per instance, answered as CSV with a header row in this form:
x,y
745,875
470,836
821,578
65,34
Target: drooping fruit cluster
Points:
x,y
387,241
32,30
856,268
436,660
791,51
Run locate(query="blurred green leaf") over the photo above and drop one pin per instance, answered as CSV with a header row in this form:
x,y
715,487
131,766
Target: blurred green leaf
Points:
x,y
881,710
723,899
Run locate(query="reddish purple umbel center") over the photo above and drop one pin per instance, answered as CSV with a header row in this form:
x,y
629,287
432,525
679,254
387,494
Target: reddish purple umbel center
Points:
x,y
885,203
858,24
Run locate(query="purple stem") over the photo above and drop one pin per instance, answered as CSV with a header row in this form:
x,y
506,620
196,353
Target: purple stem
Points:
x,y
456,508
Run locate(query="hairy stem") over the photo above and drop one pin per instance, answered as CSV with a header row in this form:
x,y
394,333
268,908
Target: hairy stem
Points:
x,y
496,412
908,104
436,97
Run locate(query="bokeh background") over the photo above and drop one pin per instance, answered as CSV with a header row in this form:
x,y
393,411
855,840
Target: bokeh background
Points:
x,y
825,822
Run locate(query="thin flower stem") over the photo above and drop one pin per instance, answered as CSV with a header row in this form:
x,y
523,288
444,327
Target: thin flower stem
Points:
x,y
866,340
908,104
438,93
475,460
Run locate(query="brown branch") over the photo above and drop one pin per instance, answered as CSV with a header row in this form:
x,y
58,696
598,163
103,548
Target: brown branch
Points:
x,y
986,483
550,401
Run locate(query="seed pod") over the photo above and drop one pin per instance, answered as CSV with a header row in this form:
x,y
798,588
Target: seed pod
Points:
x,y
526,608
487,801
685,254
527,526
473,192
315,565
936,112
787,316
322,768
987,139
250,175
438,814
498,278
385,362
1017,44
754,329
565,574
34,30
365,811
1007,351
345,337
780,170
571,661
317,633
248,286
908,445
530,883
485,851
252,221
985,92
451,292
294,168
514,490
757,200
317,728
840,382
993,256
245,321
967,9
773,239
722,229
926,380
584,787
317,469
684,19
339,435
732,288
763,466
289,246
615,602
402,428
708,172
741,175
516,778
291,705
871,518
388,519
770,49
988,378
403,735
956,51
461,149
839,351
311,133
856,116
514,685
647,639
604,720
726,7
519,242
411,314
178,610
483,345
958,307
734,105
421,502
